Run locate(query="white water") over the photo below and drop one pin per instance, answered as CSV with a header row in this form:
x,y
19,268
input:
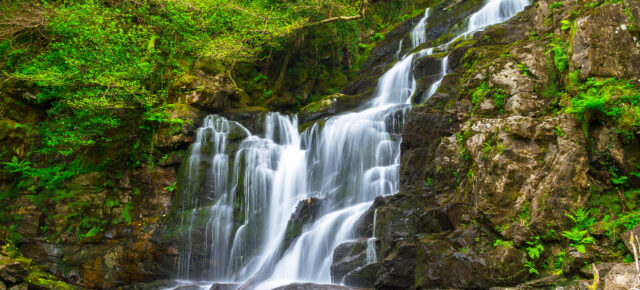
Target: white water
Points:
x,y
444,66
346,163
419,34
371,249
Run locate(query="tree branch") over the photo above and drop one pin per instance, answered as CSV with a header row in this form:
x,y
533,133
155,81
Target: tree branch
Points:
x,y
361,15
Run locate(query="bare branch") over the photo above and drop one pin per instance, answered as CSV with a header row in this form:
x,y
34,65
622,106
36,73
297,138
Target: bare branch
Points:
x,y
361,15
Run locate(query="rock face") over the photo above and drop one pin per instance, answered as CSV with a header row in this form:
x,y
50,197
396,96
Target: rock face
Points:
x,y
598,39
11,272
631,236
350,266
311,286
485,176
621,276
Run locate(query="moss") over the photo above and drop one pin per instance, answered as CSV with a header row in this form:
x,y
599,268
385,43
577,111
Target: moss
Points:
x,y
37,277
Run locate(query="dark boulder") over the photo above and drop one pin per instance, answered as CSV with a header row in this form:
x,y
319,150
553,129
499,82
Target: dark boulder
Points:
x,y
11,272
347,257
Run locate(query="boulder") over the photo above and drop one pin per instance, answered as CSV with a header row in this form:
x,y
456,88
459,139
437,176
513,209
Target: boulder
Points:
x,y
224,286
621,277
364,276
347,257
626,238
11,271
21,286
312,286
597,44
397,270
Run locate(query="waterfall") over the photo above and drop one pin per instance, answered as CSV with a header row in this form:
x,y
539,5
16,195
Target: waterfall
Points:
x,y
345,163
371,248
444,66
418,34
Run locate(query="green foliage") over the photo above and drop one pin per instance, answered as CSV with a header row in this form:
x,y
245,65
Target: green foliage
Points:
x,y
579,234
377,37
18,167
480,94
608,99
555,5
37,276
558,263
578,239
172,187
531,267
499,97
126,212
429,181
111,203
523,69
581,218
483,91
558,131
534,248
560,58
504,244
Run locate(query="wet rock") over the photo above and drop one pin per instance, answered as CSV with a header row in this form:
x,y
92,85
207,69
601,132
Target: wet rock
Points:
x,y
11,271
620,277
439,264
311,286
21,286
328,106
602,268
159,284
544,282
597,42
251,118
505,266
574,260
224,286
30,224
347,257
364,276
188,287
306,212
397,271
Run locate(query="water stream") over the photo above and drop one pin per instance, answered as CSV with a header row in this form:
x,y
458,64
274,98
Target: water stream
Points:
x,y
346,163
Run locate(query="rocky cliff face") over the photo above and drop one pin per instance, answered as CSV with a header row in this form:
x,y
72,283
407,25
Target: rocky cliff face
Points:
x,y
494,169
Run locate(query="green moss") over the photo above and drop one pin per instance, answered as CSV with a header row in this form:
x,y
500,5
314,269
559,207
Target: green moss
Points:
x,y
36,275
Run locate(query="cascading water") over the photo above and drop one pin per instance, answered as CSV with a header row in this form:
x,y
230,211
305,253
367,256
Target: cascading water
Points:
x,y
419,34
371,249
345,163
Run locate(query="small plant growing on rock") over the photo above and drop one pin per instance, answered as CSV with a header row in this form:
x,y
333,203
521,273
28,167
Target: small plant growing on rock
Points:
x,y
523,69
532,267
580,217
579,239
504,244
534,248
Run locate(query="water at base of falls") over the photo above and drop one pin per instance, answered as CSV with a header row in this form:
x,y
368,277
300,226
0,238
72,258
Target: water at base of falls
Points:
x,y
345,163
